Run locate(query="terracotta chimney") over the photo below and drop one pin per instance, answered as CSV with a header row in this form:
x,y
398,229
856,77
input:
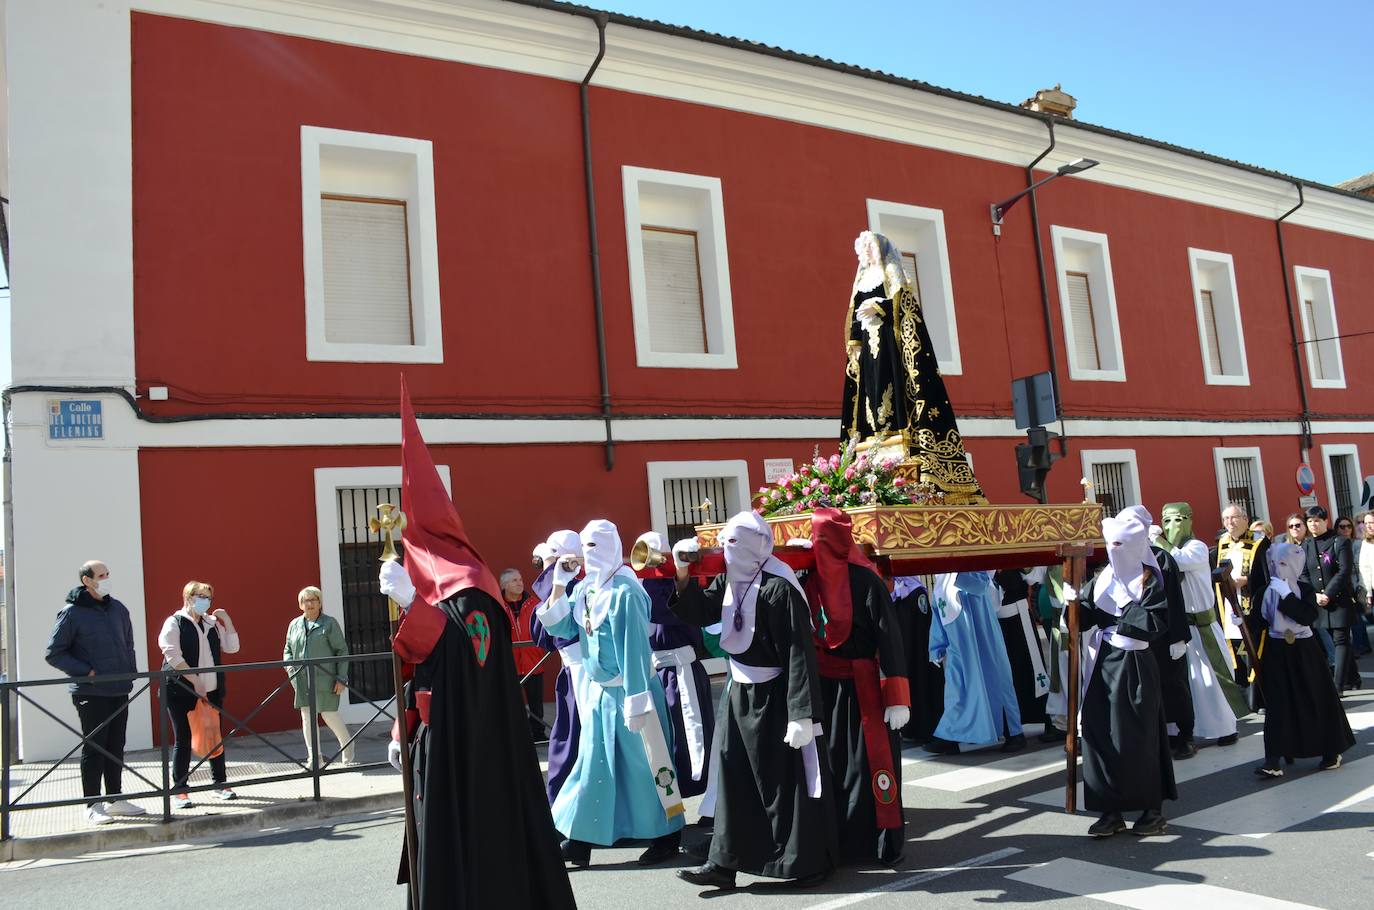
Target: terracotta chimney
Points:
x,y
1052,101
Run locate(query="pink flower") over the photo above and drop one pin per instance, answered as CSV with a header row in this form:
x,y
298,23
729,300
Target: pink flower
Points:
x,y
775,495
805,470
834,461
898,482
853,488
849,473
862,463
825,488
791,495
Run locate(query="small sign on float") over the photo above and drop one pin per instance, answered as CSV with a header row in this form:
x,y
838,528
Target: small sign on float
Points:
x,y
70,418
775,469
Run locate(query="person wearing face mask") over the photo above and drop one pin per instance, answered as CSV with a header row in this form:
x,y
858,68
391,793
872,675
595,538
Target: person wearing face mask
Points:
x,y
568,686
317,634
774,813
92,637
193,638
1303,716
1126,762
619,787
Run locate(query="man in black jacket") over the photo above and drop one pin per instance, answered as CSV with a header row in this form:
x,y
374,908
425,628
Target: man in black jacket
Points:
x,y
94,637
1330,572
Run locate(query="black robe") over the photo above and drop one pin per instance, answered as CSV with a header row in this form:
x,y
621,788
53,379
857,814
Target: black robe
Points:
x,y
1303,717
874,633
1175,689
766,823
927,680
1126,761
1013,586
893,387
485,833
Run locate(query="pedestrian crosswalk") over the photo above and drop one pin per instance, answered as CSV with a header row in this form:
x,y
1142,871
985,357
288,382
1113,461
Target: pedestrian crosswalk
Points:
x,y
1140,890
1303,795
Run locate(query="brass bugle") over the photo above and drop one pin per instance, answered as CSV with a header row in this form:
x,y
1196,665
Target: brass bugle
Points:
x,y
643,556
538,563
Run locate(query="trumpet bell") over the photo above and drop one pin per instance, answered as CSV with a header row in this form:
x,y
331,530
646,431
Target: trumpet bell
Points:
x,y
643,556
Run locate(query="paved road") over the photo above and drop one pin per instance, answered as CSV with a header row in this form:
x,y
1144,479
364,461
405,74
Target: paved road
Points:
x,y
982,828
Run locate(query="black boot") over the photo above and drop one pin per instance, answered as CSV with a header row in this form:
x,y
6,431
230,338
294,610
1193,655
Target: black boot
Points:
x,y
577,852
709,876
1150,824
941,746
1184,748
1107,825
661,849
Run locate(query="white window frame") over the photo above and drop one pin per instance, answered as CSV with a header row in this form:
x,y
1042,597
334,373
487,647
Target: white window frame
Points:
x,y
1059,238
1357,477
417,189
717,306
1200,261
328,481
735,471
1309,331
925,227
1092,457
1219,456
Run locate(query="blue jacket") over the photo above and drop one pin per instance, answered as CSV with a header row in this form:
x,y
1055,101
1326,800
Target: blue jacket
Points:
x,y
93,634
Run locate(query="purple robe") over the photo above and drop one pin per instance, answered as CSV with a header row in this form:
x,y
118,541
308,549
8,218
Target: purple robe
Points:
x,y
668,633
567,727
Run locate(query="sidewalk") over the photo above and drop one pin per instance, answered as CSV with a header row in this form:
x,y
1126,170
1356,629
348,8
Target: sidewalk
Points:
x,y
368,785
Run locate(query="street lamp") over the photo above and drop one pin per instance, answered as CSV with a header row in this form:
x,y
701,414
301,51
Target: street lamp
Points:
x,y
999,209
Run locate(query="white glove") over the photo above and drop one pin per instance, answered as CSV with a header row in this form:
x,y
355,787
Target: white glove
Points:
x,y
1177,650
564,574
870,310
393,754
939,661
636,722
896,717
1155,532
798,734
683,547
803,542
396,584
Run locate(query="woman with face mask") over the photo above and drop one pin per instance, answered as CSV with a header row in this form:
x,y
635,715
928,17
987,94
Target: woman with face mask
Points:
x,y
193,638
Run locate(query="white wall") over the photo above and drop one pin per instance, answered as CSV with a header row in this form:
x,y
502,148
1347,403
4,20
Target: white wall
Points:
x,y
73,501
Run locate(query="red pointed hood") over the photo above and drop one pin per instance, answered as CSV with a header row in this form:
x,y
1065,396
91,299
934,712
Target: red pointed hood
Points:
x,y
438,556
832,541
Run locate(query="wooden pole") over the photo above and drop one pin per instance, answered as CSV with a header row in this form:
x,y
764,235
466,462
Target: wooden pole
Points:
x,y
1075,568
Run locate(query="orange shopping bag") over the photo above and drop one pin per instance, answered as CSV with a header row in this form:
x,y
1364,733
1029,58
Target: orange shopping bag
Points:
x,y
206,739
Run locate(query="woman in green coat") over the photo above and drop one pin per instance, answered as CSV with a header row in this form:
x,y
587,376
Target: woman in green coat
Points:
x,y
314,634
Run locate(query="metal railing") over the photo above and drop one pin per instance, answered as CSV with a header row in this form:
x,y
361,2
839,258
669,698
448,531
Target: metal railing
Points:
x,y
14,692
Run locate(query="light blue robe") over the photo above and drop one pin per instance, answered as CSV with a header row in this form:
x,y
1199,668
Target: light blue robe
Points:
x,y
978,687
610,793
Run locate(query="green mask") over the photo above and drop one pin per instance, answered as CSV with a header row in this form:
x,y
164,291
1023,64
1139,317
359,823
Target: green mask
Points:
x,y
1177,523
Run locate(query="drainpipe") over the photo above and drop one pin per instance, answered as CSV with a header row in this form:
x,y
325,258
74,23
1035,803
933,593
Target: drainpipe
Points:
x,y
1305,421
600,19
1045,290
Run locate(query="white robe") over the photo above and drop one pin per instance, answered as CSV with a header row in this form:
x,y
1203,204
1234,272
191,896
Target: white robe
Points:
x,y
1212,713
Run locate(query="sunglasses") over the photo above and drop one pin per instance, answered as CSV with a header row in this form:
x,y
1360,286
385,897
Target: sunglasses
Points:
x,y
1296,524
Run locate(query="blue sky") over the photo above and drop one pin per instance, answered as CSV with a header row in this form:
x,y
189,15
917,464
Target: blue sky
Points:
x,y
1280,85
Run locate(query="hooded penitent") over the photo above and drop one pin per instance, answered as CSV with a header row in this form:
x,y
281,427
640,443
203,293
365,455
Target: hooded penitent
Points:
x,y
748,544
827,590
1177,523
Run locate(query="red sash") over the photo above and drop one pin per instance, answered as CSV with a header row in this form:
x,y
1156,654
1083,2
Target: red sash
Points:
x,y
887,798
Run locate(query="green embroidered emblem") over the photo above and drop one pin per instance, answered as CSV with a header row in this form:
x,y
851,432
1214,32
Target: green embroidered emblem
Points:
x,y
884,789
479,633
664,779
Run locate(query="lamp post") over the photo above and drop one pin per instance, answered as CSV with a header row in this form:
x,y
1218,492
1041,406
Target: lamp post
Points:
x,y
999,209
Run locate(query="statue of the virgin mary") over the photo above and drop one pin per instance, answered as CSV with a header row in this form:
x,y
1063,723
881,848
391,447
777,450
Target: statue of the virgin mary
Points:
x,y
894,397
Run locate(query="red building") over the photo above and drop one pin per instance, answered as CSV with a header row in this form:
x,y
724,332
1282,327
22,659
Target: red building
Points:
x,y
251,218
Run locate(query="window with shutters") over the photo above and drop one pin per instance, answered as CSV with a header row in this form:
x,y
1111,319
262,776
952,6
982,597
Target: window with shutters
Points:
x,y
919,233
684,494
1343,485
1218,318
1325,365
1092,334
1115,477
371,258
679,270
1240,479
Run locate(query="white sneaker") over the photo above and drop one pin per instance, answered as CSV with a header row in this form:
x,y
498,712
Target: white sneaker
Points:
x,y
224,793
122,807
97,814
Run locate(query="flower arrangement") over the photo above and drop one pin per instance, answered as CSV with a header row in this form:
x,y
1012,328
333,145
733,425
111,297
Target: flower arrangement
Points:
x,y
844,480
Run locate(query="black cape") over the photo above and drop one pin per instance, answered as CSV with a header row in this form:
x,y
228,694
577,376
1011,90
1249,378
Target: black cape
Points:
x,y
766,822
927,680
1175,688
1303,717
485,832
1126,761
874,633
1013,586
